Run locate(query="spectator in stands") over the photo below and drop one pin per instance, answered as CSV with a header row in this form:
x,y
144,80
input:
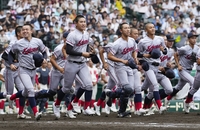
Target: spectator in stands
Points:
x,y
3,38
176,12
180,28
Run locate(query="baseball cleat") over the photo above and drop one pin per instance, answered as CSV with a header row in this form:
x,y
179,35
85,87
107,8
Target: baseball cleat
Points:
x,y
186,107
140,112
107,109
97,109
10,101
38,116
2,112
192,106
70,114
76,107
56,111
162,110
88,111
23,116
10,111
113,108
166,103
149,112
124,114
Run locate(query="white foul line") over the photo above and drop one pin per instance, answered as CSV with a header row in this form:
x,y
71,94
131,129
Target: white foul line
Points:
x,y
83,123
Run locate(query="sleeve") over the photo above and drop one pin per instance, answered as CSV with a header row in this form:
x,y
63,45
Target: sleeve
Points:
x,y
14,48
181,50
42,47
114,49
140,47
70,39
163,42
198,54
7,50
57,52
135,47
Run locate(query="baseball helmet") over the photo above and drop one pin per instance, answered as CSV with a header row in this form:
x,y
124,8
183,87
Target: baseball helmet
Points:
x,y
155,53
38,59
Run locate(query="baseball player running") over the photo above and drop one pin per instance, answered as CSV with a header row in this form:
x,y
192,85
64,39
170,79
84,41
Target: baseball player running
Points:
x,y
164,65
26,48
149,51
163,74
11,77
185,57
122,51
76,48
108,65
188,102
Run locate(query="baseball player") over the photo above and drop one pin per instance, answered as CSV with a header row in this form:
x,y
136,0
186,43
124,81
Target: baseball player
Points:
x,y
11,76
162,79
166,62
26,48
185,57
138,97
76,48
57,59
56,74
188,102
149,51
112,81
122,51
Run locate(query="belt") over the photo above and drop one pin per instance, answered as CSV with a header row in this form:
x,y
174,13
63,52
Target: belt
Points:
x,y
77,62
155,63
189,69
28,68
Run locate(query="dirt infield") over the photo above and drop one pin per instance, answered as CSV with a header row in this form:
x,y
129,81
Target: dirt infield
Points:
x,y
172,120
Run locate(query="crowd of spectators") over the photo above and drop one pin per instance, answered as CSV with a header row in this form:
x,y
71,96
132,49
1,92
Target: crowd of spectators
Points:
x,y
51,18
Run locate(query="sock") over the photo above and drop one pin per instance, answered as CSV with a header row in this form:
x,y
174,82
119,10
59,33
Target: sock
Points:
x,y
175,91
16,95
21,102
78,95
147,102
103,104
92,103
1,96
2,104
46,105
70,107
157,99
189,98
82,103
138,101
60,96
33,104
17,103
27,103
114,100
88,95
79,102
162,94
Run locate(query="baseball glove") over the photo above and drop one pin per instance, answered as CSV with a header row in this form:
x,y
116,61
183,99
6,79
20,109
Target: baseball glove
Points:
x,y
94,58
155,53
169,73
131,63
193,57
